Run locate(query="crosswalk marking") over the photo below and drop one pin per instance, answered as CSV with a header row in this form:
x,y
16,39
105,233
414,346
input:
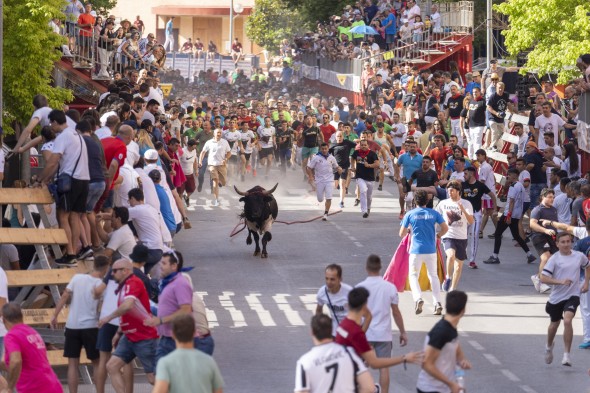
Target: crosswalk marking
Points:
x,y
237,316
263,314
211,317
292,315
309,301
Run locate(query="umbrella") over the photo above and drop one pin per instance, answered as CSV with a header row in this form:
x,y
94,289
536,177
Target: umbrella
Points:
x,y
363,29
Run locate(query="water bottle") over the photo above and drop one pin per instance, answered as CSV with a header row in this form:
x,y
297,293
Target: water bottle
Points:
x,y
460,377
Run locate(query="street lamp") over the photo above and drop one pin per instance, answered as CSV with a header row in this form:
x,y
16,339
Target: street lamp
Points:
x,y
236,8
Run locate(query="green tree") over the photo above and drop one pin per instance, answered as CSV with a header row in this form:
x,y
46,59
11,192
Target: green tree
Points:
x,y
102,7
272,21
314,11
29,56
555,33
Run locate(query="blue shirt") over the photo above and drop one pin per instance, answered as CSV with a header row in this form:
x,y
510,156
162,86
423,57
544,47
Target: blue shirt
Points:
x,y
169,25
360,127
392,29
451,164
165,208
470,86
422,220
410,164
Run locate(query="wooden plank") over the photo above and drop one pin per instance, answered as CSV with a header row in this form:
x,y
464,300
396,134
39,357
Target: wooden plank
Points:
x,y
497,156
518,118
56,358
500,179
24,278
510,138
24,236
25,196
42,316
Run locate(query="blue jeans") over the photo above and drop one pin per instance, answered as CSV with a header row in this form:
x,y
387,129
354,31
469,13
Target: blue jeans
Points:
x,y
154,257
167,345
144,350
202,171
535,192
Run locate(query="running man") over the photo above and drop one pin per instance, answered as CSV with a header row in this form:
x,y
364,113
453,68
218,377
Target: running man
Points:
x,y
267,143
335,295
410,162
341,152
219,153
364,162
320,170
543,237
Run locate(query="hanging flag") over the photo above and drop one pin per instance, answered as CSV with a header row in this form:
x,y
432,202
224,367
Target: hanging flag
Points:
x,y
166,88
341,79
388,55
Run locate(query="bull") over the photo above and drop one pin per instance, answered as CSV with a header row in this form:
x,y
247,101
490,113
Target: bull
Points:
x,y
260,211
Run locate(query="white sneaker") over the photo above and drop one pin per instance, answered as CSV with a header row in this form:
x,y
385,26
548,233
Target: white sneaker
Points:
x,y
566,360
536,282
549,355
325,217
544,288
215,202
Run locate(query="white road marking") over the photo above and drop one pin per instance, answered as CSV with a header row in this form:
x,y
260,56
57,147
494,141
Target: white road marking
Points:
x,y
211,317
476,345
492,359
358,244
528,389
236,315
283,305
352,238
263,314
309,301
510,375
345,233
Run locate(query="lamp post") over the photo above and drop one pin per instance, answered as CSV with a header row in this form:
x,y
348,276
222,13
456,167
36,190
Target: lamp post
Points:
x,y
237,9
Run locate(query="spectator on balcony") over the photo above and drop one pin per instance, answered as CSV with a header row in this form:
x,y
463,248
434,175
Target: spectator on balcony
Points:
x,y
169,32
211,50
379,39
370,11
86,25
130,49
139,25
237,51
413,12
358,21
417,29
435,20
198,48
105,47
72,12
390,25
187,47
143,43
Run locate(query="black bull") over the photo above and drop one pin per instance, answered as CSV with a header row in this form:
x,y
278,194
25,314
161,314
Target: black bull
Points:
x,y
260,211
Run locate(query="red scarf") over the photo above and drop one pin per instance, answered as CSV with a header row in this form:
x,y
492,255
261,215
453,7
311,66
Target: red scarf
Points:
x,y
364,154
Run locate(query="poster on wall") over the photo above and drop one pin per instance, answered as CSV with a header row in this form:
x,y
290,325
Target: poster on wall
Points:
x,y
583,135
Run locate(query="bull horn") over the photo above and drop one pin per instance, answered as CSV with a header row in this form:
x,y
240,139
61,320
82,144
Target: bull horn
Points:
x,y
240,192
271,190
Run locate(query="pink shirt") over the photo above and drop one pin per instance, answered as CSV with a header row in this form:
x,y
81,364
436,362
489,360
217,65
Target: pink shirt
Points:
x,y
36,375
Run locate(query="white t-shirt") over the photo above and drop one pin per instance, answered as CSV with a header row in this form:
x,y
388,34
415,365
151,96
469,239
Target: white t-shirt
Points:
x,y
103,132
177,215
70,145
132,153
248,139
398,133
187,161
559,165
84,307
43,115
149,189
323,168
232,137
122,240
454,217
3,160
522,140
109,302
562,267
548,124
217,151
8,253
486,175
328,368
525,175
565,165
382,294
562,203
516,192
339,303
266,132
3,294
130,181
146,221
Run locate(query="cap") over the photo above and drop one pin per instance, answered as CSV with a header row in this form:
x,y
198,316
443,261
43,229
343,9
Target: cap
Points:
x,y
139,253
494,61
344,101
531,144
150,154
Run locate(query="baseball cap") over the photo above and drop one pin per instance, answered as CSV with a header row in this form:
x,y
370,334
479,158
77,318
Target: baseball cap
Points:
x,y
531,144
150,154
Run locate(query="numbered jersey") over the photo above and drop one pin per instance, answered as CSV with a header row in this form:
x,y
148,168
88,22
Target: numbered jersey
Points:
x,y
248,140
328,368
232,137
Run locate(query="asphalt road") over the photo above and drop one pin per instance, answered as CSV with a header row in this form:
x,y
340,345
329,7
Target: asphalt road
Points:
x,y
260,308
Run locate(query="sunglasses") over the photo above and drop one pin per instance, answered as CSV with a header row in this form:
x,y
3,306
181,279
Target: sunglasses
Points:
x,y
117,269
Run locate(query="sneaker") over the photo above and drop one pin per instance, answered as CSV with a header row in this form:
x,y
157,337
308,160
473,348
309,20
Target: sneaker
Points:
x,y
438,309
481,235
365,215
380,188
356,202
446,285
531,258
492,236
66,260
536,282
584,345
544,288
472,265
392,178
418,308
215,202
325,217
549,355
566,361
84,253
341,205
492,260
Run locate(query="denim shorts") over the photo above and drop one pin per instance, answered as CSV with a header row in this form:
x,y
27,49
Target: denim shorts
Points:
x,y
104,343
144,350
95,191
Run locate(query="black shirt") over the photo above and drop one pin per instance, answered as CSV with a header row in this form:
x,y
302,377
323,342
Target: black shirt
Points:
x,y
473,193
499,103
441,334
425,179
341,151
455,105
362,172
288,135
378,90
541,212
310,137
538,175
430,108
477,113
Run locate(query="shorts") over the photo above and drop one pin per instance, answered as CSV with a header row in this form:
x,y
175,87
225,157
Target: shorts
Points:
x,y
265,152
556,311
71,27
486,202
544,243
525,207
74,200
459,245
307,152
324,189
106,201
188,186
247,156
78,338
95,191
390,38
343,175
144,350
84,41
382,348
104,343
218,172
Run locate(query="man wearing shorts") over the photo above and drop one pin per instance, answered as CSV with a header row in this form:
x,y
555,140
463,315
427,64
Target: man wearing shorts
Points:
x,y
267,143
543,237
248,141
133,339
219,153
341,151
410,162
364,162
320,170
312,137
458,214
562,271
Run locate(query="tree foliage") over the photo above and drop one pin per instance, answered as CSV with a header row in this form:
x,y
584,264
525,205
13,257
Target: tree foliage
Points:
x,y
314,11
555,32
29,56
102,7
271,22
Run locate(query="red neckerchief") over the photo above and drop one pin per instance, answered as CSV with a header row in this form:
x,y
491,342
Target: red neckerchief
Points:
x,y
479,98
457,96
364,154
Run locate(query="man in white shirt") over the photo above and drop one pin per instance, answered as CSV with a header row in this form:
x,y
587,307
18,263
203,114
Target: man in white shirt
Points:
x,y
548,122
109,127
330,367
383,304
334,295
121,240
219,153
398,132
487,177
3,301
413,11
320,170
188,163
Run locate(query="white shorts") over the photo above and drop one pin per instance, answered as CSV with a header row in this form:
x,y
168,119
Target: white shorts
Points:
x,y
324,190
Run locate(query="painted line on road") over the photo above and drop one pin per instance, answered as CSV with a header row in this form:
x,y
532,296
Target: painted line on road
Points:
x,y
358,244
492,359
256,306
211,316
345,233
236,315
309,301
283,305
352,238
476,345
528,389
510,375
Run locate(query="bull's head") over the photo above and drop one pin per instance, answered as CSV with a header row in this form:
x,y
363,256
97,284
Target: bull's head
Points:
x,y
255,200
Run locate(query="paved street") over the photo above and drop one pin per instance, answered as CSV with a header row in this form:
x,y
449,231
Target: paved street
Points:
x,y
260,308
